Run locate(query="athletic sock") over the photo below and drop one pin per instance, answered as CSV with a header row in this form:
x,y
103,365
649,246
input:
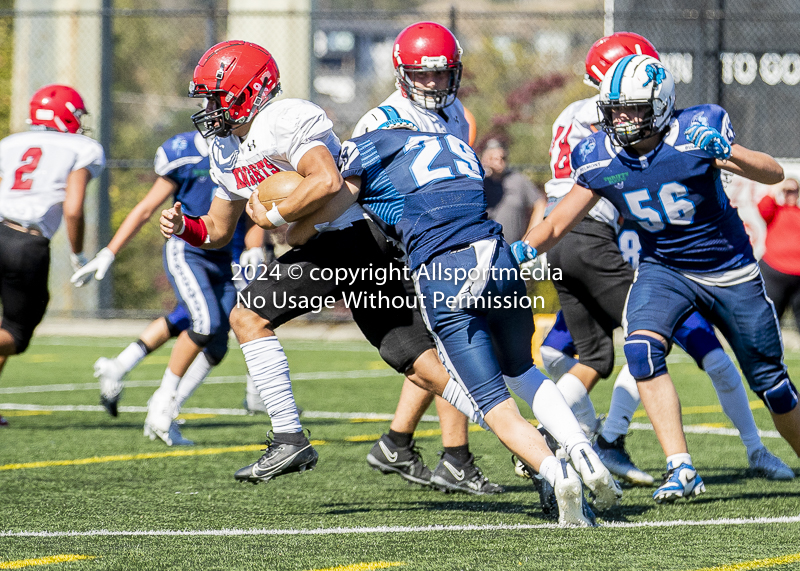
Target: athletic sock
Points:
x,y
549,468
459,453
400,439
169,382
733,397
624,401
132,355
677,459
455,394
293,438
194,377
578,400
550,409
267,364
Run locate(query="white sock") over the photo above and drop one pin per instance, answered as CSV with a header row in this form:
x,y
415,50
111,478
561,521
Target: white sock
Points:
x,y
267,364
549,469
458,397
556,364
169,382
624,401
578,400
194,377
733,397
546,402
677,459
131,356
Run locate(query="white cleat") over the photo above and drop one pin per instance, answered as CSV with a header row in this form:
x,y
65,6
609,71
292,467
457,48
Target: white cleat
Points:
x,y
572,511
171,437
110,374
766,464
161,414
605,491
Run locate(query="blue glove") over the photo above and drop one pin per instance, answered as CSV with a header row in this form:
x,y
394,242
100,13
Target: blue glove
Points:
x,y
710,140
523,252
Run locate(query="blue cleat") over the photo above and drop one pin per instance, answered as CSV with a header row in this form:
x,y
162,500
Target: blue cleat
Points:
x,y
680,482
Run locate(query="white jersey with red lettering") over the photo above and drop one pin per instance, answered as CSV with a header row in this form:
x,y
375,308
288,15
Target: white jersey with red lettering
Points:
x,y
571,127
279,137
451,120
34,167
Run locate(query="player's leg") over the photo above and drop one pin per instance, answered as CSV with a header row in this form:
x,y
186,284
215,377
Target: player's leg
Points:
x,y
511,330
400,335
795,300
777,286
558,349
696,336
747,319
111,372
262,307
658,301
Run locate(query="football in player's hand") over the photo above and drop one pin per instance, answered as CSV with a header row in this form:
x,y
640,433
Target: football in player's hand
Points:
x,y
278,186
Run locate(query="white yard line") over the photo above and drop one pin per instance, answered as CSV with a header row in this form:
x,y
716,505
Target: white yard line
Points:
x,y
392,530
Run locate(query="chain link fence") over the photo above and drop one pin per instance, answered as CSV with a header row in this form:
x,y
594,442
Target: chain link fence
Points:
x,y
521,68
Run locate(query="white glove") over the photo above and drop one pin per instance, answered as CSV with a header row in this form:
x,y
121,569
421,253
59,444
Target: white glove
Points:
x,y
252,257
98,266
77,260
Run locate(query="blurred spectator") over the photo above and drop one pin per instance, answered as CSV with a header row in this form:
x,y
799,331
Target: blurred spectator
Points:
x,y
512,200
780,265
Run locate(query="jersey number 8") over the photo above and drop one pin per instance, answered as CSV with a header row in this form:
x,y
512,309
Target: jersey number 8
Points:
x,y
675,209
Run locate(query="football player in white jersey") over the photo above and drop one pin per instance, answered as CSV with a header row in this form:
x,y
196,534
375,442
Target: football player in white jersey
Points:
x,y
255,138
44,173
427,63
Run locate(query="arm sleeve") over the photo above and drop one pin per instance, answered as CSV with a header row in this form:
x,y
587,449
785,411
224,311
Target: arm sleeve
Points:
x,y
767,207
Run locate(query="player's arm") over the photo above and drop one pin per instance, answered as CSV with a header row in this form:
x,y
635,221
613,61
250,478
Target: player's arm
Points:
x,y
73,208
564,217
136,218
754,165
303,230
322,181
210,231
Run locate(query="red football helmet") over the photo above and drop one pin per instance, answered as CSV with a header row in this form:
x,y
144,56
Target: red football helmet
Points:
x,y
237,79
57,107
426,47
606,51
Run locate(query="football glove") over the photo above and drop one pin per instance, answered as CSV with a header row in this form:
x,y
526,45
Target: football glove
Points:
x,y
251,257
98,266
523,252
710,140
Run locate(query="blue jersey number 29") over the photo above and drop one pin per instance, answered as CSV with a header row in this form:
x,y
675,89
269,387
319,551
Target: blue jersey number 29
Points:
x,y
675,208
464,159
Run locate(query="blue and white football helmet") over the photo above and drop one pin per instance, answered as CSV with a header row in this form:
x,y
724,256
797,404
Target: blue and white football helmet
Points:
x,y
642,83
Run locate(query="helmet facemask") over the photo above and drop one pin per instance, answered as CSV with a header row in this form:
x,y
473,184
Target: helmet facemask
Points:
x,y
432,99
639,126
217,116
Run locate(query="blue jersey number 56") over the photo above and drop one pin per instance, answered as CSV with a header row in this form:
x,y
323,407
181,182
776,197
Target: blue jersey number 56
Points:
x,y
675,208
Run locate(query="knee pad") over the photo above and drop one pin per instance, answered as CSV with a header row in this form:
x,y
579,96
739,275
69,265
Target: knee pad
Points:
x,y
217,348
781,398
647,357
200,339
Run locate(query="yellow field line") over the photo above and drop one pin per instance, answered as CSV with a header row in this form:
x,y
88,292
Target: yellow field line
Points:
x,y
42,561
365,566
146,456
757,564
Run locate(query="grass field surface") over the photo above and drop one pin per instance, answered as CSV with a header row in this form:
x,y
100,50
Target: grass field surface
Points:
x,y
80,490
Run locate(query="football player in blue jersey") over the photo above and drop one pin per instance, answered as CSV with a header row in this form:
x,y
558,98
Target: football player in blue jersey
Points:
x,y
426,191
660,168
201,279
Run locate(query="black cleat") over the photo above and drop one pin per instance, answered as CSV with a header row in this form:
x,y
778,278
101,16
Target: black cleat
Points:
x,y
452,476
407,462
279,458
547,494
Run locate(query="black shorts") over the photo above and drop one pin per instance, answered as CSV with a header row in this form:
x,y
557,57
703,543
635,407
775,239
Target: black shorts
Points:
x,y
296,284
24,268
593,291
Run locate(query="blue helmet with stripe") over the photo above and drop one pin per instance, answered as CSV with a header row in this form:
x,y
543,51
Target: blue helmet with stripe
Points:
x,y
637,99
